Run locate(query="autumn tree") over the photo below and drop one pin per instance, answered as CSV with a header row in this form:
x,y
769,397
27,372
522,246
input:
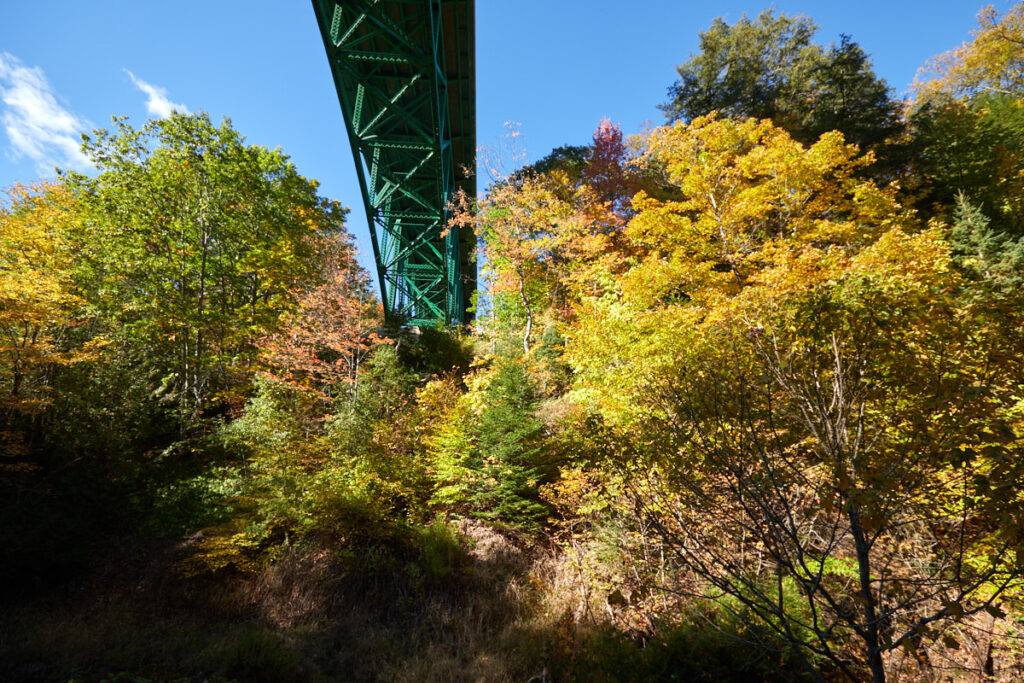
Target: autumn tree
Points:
x,y
967,126
38,299
545,229
609,173
792,373
322,344
992,62
515,225
967,152
603,165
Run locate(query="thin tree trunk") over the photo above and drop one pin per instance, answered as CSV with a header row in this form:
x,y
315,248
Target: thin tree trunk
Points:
x,y
529,315
870,633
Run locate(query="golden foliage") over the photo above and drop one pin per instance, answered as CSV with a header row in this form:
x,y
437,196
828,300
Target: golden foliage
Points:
x,y
992,62
37,298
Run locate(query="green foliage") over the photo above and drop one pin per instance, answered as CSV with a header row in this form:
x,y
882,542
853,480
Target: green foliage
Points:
x,y
849,98
376,432
769,68
357,506
386,386
993,257
435,350
114,409
184,504
259,656
510,447
188,245
702,648
272,422
355,474
451,447
973,147
568,159
282,452
492,462
556,373
747,69
776,386
441,550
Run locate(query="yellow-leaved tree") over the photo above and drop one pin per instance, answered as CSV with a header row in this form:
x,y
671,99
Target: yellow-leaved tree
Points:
x,y
810,408
993,61
37,299
551,231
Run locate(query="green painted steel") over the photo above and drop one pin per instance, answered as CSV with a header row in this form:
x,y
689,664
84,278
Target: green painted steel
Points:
x,y
403,71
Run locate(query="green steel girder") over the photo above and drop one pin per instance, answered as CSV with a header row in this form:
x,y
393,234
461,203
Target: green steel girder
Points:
x,y
403,70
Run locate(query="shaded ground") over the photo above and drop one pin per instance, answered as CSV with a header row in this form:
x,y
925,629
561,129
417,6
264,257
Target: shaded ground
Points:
x,y
474,608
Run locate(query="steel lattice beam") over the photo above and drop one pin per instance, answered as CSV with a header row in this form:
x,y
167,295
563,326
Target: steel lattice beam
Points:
x,y
403,70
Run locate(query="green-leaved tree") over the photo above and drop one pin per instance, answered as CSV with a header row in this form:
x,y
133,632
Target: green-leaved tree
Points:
x,y
189,245
770,68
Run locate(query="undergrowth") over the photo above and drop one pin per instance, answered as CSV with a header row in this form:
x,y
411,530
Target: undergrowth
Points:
x,y
449,601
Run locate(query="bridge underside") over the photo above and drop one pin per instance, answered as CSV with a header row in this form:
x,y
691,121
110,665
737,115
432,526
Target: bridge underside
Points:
x,y
404,75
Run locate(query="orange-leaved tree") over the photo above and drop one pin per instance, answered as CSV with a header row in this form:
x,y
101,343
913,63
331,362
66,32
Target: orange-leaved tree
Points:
x,y
322,343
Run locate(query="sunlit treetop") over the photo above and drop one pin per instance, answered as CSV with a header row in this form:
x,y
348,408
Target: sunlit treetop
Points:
x,y
993,61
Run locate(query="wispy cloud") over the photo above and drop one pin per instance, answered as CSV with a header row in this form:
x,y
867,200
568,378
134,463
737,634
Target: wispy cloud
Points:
x,y
157,102
37,125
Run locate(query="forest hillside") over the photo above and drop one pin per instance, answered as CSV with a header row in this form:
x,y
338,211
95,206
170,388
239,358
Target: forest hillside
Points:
x,y
743,399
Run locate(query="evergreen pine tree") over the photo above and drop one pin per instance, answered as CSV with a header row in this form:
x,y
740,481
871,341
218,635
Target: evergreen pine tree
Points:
x,y
984,252
510,455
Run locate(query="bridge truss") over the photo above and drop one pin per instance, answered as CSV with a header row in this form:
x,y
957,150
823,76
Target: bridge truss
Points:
x,y
404,73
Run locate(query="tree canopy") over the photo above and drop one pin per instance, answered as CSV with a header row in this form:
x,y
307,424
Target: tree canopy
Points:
x,y
770,68
191,244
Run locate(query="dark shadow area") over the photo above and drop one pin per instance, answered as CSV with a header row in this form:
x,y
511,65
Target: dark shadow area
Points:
x,y
435,606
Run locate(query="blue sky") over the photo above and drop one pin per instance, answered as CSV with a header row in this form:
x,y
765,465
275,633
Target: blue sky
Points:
x,y
555,67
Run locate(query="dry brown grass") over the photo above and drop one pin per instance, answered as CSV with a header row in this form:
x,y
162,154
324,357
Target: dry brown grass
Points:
x,y
317,613
507,611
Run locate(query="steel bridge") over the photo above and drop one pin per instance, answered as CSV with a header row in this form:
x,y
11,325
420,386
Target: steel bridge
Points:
x,y
404,73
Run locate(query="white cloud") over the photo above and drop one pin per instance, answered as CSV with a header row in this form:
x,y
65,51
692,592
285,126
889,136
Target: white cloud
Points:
x,y
37,125
157,102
